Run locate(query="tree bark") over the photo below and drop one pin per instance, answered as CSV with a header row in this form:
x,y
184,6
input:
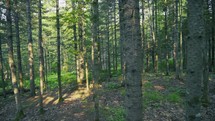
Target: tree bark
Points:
x,y
60,98
133,61
30,49
95,56
2,70
41,57
195,50
19,58
19,110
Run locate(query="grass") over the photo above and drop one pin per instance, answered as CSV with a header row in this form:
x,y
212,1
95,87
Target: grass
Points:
x,y
114,113
52,80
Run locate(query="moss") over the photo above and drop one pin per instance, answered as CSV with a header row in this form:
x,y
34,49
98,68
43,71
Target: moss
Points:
x,y
20,115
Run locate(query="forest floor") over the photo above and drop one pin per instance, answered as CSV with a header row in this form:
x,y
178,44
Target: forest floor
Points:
x,y
163,100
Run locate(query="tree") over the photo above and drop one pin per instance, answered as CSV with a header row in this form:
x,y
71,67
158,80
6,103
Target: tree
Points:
x,y
41,58
195,51
19,57
1,68
30,48
60,98
95,55
19,110
133,60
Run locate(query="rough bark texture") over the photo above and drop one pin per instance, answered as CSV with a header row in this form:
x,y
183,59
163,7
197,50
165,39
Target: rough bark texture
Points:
x,y
30,49
133,60
195,48
19,58
19,110
41,58
58,52
2,70
81,45
121,19
176,43
95,56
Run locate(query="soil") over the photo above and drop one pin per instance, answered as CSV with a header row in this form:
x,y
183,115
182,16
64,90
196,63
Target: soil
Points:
x,y
78,103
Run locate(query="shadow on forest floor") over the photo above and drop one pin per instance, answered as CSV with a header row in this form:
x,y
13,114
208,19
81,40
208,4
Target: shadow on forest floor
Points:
x,y
163,100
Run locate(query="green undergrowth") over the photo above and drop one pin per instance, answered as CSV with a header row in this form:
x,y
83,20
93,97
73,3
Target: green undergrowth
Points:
x,y
155,97
113,113
67,78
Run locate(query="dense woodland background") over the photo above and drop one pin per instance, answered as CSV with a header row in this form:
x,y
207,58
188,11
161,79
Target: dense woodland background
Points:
x,y
109,60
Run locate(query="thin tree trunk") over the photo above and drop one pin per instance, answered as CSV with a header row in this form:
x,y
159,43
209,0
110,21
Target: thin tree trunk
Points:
x,y
41,58
143,30
167,45
115,39
60,98
30,49
19,58
121,19
19,110
108,46
2,70
176,43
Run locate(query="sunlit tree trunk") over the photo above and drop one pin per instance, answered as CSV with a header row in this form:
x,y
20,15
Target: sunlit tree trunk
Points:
x,y
41,58
60,98
19,110
19,58
95,56
30,48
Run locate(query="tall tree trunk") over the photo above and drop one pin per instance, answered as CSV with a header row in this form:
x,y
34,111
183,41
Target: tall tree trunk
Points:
x,y
95,57
133,61
30,49
1,68
213,36
75,42
121,19
205,97
108,45
41,58
176,43
60,98
19,110
19,58
115,39
81,45
195,48
143,30
167,44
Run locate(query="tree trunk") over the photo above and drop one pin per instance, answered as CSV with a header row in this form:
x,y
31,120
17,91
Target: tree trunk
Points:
x,y
60,98
133,61
19,110
19,58
41,58
95,56
195,50
176,43
30,49
167,44
2,70
81,45
115,39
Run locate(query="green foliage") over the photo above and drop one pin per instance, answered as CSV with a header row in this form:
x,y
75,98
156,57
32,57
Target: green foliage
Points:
x,y
174,97
52,80
113,85
114,113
